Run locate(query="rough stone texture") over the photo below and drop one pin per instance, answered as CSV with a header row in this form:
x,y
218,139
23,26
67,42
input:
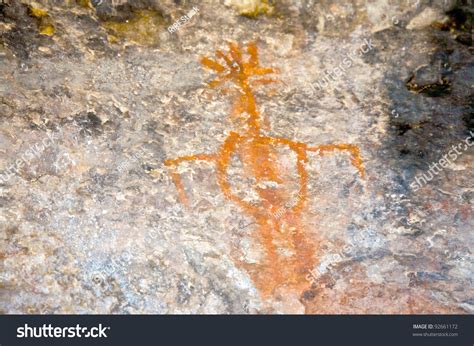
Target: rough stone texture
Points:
x,y
93,223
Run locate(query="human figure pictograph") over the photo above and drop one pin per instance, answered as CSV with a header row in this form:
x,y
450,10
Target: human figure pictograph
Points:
x,y
289,253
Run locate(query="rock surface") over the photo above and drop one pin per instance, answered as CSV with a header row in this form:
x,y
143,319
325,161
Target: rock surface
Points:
x,y
96,95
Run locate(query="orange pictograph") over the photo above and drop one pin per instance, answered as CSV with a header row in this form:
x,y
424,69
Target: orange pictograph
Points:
x,y
288,252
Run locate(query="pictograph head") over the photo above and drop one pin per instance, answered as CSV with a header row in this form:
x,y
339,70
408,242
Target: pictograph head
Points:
x,y
232,66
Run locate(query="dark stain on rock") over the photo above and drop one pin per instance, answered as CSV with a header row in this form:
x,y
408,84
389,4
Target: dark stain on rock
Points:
x,y
404,151
468,117
12,11
460,19
308,295
60,91
22,38
428,89
108,10
460,24
89,123
402,128
3,7
468,196
437,89
432,79
99,44
138,22
465,38
95,37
